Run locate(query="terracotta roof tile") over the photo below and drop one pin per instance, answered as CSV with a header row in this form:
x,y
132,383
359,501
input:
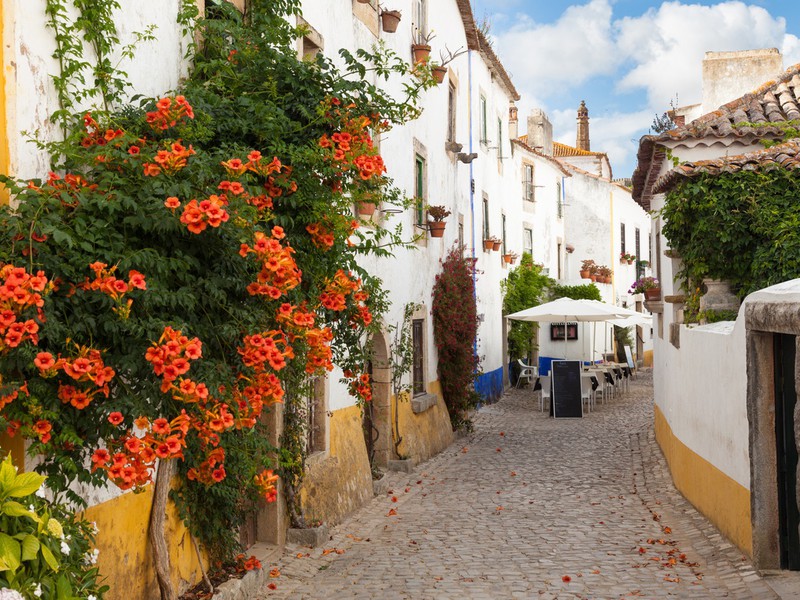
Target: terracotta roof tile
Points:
x,y
560,149
523,141
781,156
774,102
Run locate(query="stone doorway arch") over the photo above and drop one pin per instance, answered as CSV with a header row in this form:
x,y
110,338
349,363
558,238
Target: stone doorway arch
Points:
x,y
378,412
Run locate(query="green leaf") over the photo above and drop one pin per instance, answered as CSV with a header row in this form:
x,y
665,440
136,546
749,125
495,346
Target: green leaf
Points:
x,y
7,474
30,546
25,484
15,509
48,557
63,588
9,552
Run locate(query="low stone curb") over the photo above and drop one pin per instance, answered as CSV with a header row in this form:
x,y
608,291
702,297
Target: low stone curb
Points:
x,y
253,582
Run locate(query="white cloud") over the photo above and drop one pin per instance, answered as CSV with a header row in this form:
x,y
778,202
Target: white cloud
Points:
x,y
651,58
667,45
568,52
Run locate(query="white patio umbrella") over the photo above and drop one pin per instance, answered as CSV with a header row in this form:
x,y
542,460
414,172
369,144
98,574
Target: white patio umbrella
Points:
x,y
628,318
567,309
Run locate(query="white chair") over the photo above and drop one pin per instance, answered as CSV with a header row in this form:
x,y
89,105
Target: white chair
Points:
x,y
544,380
527,372
587,393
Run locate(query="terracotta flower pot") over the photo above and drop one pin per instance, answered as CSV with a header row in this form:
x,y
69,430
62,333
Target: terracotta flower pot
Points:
x,y
585,274
439,73
507,258
365,209
630,262
436,228
593,277
496,246
488,244
420,52
390,19
652,294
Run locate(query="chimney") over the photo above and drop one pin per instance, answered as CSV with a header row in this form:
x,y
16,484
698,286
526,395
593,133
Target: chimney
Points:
x,y
730,75
513,122
540,132
582,142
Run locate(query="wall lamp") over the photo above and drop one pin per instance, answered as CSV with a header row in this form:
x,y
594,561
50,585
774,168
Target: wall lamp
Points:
x,y
467,158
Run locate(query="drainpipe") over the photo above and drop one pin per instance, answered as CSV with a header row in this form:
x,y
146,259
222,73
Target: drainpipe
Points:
x,y
472,195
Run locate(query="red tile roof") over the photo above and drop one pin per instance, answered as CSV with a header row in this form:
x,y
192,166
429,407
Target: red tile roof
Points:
x,y
762,110
781,156
560,149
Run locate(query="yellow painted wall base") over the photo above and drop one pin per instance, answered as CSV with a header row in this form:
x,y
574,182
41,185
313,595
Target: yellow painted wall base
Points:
x,y
425,434
126,560
725,502
337,484
648,358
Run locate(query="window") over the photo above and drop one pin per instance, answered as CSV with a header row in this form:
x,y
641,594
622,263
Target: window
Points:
x,y
559,205
527,183
622,238
419,19
419,189
505,250
316,421
451,113
500,139
637,241
418,369
461,236
483,124
486,234
558,257
527,240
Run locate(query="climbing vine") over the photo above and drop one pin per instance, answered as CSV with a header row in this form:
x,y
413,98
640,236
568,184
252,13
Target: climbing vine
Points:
x,y
455,331
525,287
740,227
192,260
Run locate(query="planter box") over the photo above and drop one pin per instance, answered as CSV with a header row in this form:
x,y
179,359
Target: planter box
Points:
x,y
311,536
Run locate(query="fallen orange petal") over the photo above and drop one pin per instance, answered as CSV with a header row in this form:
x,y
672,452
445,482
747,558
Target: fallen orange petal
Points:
x,y
391,513
566,578
275,572
272,586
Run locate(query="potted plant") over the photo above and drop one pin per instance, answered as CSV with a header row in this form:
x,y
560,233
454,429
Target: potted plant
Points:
x,y
390,19
510,257
586,268
628,258
496,243
604,274
488,243
644,264
421,48
365,207
649,286
436,223
439,72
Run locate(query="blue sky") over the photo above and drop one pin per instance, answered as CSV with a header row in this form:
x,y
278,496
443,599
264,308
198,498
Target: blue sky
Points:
x,y
627,58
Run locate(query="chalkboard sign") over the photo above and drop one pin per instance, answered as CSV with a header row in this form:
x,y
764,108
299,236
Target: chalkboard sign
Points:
x,y
629,357
567,389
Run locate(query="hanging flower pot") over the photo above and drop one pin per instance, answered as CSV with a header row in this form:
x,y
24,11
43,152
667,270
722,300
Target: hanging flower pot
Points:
x,y
436,228
365,209
364,1
507,258
390,19
496,245
439,73
488,244
420,52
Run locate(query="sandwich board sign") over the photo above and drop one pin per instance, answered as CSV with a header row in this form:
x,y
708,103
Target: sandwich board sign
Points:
x,y
629,357
566,392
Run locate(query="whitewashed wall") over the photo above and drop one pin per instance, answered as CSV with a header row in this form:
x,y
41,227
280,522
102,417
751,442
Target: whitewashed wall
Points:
x,y
156,69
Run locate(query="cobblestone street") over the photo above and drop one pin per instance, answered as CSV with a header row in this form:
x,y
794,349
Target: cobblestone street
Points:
x,y
529,507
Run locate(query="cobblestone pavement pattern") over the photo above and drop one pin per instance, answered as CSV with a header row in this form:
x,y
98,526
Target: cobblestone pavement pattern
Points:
x,y
530,507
